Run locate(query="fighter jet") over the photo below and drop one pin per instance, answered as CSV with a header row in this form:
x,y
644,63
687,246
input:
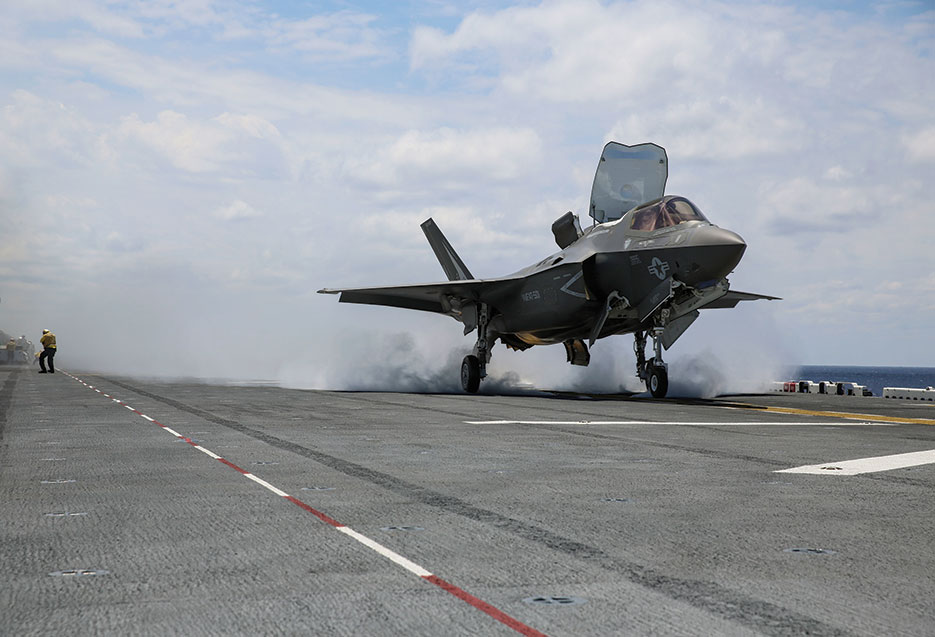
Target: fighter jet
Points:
x,y
646,266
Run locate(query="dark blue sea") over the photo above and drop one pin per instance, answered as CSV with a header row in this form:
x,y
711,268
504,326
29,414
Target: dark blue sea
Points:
x,y
874,378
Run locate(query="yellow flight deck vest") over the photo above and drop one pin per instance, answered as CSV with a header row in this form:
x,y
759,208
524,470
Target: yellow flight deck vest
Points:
x,y
48,340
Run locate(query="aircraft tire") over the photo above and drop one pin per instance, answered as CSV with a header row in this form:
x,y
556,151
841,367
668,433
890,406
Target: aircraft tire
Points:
x,y
658,382
470,374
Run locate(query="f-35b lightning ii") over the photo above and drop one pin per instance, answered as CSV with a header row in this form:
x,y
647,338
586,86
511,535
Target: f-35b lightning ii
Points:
x,y
647,265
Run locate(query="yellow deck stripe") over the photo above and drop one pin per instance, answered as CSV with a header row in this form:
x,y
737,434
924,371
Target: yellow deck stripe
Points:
x,y
839,414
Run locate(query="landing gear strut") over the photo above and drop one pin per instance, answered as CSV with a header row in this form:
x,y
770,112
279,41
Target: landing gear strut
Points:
x,y
654,372
474,366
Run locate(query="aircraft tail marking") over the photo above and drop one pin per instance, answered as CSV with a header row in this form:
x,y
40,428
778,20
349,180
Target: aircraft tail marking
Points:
x,y
452,264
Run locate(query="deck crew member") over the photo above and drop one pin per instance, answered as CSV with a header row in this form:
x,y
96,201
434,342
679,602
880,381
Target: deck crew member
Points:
x,y
49,349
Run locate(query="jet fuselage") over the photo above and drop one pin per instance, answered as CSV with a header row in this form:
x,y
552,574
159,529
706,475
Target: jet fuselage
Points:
x,y
647,266
560,297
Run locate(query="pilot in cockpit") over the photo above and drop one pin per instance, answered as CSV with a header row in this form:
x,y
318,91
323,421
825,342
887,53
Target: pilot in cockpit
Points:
x,y
673,215
645,219
665,214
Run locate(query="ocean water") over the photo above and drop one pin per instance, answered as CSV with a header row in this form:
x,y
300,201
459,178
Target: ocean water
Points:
x,y
874,378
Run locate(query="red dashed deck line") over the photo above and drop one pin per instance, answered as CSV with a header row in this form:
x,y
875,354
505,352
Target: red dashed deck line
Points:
x,y
318,514
412,567
233,466
480,604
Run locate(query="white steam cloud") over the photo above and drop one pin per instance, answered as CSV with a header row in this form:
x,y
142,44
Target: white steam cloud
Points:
x,y
394,362
399,362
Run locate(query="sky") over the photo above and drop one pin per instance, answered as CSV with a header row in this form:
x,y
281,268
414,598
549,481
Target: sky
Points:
x,y
177,179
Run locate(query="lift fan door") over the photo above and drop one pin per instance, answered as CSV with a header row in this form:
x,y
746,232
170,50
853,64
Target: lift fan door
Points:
x,y
626,177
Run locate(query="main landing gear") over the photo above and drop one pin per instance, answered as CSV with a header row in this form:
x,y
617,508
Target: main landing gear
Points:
x,y
474,366
470,374
654,372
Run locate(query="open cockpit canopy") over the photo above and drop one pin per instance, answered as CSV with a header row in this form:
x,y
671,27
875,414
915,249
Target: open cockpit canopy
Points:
x,y
626,177
665,213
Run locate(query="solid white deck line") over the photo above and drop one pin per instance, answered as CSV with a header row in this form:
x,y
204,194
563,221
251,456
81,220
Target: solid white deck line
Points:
x,y
866,465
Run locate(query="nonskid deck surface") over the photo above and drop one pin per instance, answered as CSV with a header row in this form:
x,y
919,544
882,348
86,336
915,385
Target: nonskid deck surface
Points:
x,y
134,506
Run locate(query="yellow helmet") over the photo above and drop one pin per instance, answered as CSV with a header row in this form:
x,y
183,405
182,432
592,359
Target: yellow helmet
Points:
x,y
45,331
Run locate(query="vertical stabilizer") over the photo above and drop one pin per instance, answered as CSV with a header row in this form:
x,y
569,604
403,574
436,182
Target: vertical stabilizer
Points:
x,y
452,264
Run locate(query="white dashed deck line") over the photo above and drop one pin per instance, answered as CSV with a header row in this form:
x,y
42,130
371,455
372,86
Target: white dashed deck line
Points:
x,y
398,559
866,465
410,566
207,452
264,483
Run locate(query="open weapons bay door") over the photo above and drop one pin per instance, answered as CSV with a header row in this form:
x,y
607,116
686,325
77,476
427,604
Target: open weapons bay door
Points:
x,y
627,176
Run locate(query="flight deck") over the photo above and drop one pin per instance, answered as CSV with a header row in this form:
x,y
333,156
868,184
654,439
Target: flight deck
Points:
x,y
133,506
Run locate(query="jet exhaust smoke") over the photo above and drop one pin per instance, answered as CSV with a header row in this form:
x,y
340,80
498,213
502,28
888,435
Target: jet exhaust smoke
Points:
x,y
395,362
707,374
717,359
399,362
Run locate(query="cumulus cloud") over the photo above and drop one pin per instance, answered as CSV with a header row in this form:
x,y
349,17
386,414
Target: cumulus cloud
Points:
x,y
722,128
252,125
722,81
806,205
583,51
203,146
236,210
188,145
921,144
449,158
35,130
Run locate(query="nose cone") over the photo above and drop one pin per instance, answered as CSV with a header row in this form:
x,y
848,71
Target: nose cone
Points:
x,y
716,251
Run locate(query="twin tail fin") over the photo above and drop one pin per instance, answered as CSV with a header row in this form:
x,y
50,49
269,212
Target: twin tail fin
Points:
x,y
452,264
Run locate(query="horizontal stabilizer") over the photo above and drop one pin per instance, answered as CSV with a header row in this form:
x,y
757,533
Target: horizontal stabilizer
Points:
x,y
452,264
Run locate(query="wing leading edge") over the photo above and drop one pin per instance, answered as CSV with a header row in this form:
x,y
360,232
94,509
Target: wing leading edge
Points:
x,y
443,298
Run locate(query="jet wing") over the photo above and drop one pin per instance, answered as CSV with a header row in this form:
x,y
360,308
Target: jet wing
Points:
x,y
444,298
733,297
